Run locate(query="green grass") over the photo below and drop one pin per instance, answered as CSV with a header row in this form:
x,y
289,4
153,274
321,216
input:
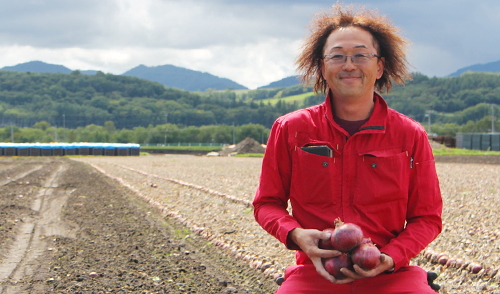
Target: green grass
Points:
x,y
249,155
190,148
440,151
455,151
299,98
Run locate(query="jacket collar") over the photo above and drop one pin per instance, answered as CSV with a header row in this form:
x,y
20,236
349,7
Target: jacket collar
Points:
x,y
377,121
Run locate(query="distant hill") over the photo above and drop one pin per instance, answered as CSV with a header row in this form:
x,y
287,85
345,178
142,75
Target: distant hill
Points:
x,y
486,67
42,67
167,75
182,78
38,66
286,82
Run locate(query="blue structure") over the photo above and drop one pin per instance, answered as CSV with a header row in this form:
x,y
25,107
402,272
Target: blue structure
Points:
x,y
63,149
479,141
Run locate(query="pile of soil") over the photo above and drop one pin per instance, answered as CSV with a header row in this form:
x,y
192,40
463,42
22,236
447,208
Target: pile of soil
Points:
x,y
248,145
91,235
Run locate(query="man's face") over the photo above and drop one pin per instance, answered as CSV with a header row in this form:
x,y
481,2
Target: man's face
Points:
x,y
348,80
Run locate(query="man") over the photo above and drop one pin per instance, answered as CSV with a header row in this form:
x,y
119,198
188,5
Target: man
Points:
x,y
374,167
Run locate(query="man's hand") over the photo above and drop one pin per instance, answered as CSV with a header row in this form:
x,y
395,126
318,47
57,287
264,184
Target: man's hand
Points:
x,y
386,263
307,240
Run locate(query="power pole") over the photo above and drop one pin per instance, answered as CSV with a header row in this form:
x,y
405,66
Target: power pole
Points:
x,y
492,118
234,135
166,130
64,126
428,115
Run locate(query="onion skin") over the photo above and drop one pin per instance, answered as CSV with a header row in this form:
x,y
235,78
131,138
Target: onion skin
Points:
x,y
443,259
346,237
367,256
452,262
459,263
334,264
475,267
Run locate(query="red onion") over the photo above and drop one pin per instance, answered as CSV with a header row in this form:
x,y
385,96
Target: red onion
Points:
x,y
326,244
443,259
451,262
346,236
367,256
475,267
334,264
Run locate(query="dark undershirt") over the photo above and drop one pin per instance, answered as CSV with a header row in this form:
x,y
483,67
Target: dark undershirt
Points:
x,y
351,127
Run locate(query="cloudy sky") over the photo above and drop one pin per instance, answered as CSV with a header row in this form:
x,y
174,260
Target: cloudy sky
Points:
x,y
250,42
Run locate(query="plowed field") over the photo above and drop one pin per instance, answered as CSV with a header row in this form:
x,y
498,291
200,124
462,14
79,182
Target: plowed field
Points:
x,y
184,224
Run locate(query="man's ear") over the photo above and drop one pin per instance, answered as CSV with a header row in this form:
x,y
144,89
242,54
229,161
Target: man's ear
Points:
x,y
381,66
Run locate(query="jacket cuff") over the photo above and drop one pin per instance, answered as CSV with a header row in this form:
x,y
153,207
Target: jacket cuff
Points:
x,y
396,258
289,243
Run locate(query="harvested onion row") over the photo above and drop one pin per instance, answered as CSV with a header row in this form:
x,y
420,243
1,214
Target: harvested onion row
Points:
x,y
201,188
447,261
254,261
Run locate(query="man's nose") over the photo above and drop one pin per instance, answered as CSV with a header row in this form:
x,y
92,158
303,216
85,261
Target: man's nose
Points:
x,y
348,64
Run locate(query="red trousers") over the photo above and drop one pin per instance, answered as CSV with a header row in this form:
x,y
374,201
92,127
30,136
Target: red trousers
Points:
x,y
303,279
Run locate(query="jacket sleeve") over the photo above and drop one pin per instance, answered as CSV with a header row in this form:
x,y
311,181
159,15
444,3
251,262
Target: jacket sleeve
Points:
x,y
424,208
271,199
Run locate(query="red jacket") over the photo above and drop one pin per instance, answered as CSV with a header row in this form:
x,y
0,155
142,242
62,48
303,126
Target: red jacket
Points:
x,y
382,178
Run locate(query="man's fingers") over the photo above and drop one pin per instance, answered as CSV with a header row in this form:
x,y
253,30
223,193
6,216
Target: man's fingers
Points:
x,y
321,270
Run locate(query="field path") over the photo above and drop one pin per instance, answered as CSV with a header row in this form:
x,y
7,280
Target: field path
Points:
x,y
29,243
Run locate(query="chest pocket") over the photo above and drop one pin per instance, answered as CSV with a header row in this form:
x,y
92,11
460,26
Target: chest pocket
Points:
x,y
382,178
312,174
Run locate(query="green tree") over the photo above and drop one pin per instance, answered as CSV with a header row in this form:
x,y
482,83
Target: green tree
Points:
x,y
42,125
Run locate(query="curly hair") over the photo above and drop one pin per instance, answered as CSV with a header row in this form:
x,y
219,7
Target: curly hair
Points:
x,y
391,46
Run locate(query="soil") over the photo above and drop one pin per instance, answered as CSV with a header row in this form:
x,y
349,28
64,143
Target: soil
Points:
x,y
66,228
479,159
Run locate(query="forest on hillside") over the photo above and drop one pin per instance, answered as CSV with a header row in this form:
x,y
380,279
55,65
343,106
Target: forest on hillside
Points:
x,y
72,102
76,100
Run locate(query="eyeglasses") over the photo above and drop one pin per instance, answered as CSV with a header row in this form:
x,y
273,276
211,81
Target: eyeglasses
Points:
x,y
359,58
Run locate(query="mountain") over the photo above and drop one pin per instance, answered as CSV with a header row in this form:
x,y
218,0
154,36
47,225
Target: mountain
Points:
x,y
486,67
42,67
182,78
38,66
286,82
167,75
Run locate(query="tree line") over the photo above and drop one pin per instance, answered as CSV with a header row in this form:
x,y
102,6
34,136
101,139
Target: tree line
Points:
x,y
166,134
76,103
76,100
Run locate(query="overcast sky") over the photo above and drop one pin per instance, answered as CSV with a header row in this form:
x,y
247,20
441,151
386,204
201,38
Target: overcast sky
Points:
x,y
250,42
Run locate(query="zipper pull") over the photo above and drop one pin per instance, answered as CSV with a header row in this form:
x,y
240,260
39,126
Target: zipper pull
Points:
x,y
411,162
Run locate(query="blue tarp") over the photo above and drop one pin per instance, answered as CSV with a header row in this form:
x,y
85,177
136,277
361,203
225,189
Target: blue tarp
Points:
x,y
57,149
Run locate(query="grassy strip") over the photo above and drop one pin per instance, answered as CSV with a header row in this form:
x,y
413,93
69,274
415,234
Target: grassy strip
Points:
x,y
190,148
299,98
455,151
438,151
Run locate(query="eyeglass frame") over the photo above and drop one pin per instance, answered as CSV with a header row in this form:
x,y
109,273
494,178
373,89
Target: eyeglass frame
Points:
x,y
330,56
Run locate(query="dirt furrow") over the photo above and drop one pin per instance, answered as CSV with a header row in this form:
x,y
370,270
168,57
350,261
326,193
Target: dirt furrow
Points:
x,y
226,223
15,174
90,234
